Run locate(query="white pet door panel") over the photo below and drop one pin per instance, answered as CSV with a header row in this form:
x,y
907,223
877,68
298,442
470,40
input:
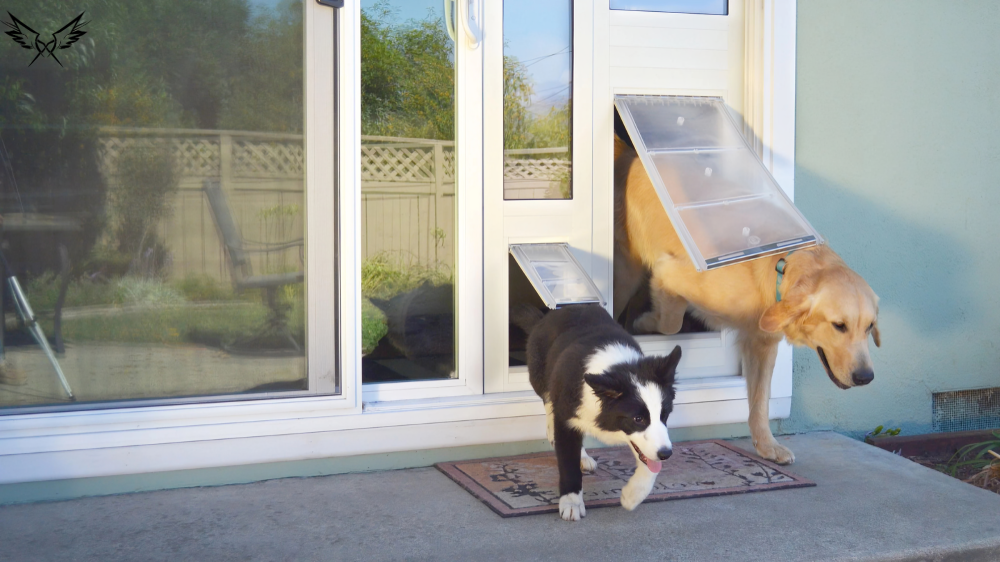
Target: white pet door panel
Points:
x,y
556,275
721,200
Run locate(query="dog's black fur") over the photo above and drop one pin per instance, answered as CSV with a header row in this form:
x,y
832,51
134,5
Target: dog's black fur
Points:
x,y
560,345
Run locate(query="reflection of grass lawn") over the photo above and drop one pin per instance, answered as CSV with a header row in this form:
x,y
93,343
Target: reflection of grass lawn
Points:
x,y
166,325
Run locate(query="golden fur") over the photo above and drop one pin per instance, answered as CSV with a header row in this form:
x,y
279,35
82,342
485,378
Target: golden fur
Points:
x,y
825,305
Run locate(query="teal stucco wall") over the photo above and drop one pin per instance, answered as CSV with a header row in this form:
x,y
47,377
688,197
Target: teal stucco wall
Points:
x,y
898,165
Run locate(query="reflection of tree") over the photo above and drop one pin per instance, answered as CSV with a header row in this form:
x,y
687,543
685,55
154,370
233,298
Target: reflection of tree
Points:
x,y
521,127
155,63
517,90
407,76
164,63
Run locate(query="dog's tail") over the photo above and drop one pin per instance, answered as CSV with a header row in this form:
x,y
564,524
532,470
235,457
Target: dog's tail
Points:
x,y
525,316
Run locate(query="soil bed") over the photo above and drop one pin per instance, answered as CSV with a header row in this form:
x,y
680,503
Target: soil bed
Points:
x,y
938,451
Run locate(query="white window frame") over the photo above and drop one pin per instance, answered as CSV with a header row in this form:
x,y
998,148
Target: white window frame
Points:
x,y
79,444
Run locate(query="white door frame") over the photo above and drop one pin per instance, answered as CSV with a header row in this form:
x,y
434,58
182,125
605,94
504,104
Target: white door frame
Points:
x,y
534,221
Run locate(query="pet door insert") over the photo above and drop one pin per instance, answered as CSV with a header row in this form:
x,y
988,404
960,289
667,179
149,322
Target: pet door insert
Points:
x,y
555,274
723,203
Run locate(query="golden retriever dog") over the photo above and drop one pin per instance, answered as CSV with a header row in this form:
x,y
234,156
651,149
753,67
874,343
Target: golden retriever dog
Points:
x,y
824,304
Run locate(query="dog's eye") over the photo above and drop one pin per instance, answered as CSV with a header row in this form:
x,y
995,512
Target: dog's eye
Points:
x,y
639,420
870,326
841,327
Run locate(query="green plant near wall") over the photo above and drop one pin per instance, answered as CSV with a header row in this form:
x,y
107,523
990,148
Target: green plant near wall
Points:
x,y
974,457
880,431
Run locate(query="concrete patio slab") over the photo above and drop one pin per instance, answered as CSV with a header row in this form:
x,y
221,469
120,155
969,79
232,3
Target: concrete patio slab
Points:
x,y
868,505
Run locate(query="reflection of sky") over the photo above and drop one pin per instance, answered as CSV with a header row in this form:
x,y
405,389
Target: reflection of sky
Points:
x,y
538,33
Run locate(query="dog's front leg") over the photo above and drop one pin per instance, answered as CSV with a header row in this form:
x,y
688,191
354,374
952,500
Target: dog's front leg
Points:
x,y
759,354
639,486
667,315
569,443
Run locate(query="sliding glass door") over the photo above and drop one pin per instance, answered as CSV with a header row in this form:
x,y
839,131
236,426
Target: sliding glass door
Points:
x,y
155,196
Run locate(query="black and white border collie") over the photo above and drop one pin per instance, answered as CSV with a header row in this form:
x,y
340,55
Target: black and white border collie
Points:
x,y
595,381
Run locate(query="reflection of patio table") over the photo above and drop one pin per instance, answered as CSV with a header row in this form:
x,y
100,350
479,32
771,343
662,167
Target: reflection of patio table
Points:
x,y
36,222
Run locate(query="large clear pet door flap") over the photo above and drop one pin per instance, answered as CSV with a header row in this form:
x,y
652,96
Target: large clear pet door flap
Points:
x,y
556,275
722,201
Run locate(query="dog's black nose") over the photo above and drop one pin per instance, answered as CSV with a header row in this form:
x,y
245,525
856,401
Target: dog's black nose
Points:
x,y
664,453
862,377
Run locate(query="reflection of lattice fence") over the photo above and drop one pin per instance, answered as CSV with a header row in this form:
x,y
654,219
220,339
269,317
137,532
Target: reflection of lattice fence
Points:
x,y
397,163
536,169
268,159
197,157
203,154
384,160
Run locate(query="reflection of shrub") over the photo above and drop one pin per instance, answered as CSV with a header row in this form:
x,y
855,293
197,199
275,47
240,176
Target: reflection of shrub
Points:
x,y
373,326
106,262
42,292
146,179
141,291
204,288
383,276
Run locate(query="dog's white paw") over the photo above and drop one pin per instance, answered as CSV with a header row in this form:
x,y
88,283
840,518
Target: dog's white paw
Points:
x,y
587,463
775,452
633,495
571,507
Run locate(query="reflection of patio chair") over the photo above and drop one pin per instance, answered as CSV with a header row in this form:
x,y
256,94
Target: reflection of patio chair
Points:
x,y
243,277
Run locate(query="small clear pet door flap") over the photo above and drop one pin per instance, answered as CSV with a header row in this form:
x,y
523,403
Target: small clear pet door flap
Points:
x,y
556,275
722,201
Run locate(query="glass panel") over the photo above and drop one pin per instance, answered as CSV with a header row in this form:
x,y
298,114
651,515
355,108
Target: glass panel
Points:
x,y
407,191
710,7
537,99
152,196
723,203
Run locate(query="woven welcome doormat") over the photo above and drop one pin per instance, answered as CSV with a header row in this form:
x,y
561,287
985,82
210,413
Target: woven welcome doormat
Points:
x,y
529,484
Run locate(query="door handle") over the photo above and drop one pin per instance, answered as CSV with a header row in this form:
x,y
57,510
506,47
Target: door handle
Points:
x,y
472,29
331,3
449,19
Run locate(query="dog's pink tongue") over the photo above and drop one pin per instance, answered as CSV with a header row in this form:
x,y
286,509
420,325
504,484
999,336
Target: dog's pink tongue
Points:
x,y
654,466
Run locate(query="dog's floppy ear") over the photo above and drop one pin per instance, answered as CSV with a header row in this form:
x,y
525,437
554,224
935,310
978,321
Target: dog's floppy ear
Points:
x,y
876,337
784,313
605,387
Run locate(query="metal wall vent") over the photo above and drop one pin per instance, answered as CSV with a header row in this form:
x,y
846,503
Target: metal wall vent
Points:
x,y
966,410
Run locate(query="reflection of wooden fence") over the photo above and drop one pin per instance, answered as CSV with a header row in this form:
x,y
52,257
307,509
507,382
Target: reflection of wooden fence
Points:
x,y
261,175
408,199
407,192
